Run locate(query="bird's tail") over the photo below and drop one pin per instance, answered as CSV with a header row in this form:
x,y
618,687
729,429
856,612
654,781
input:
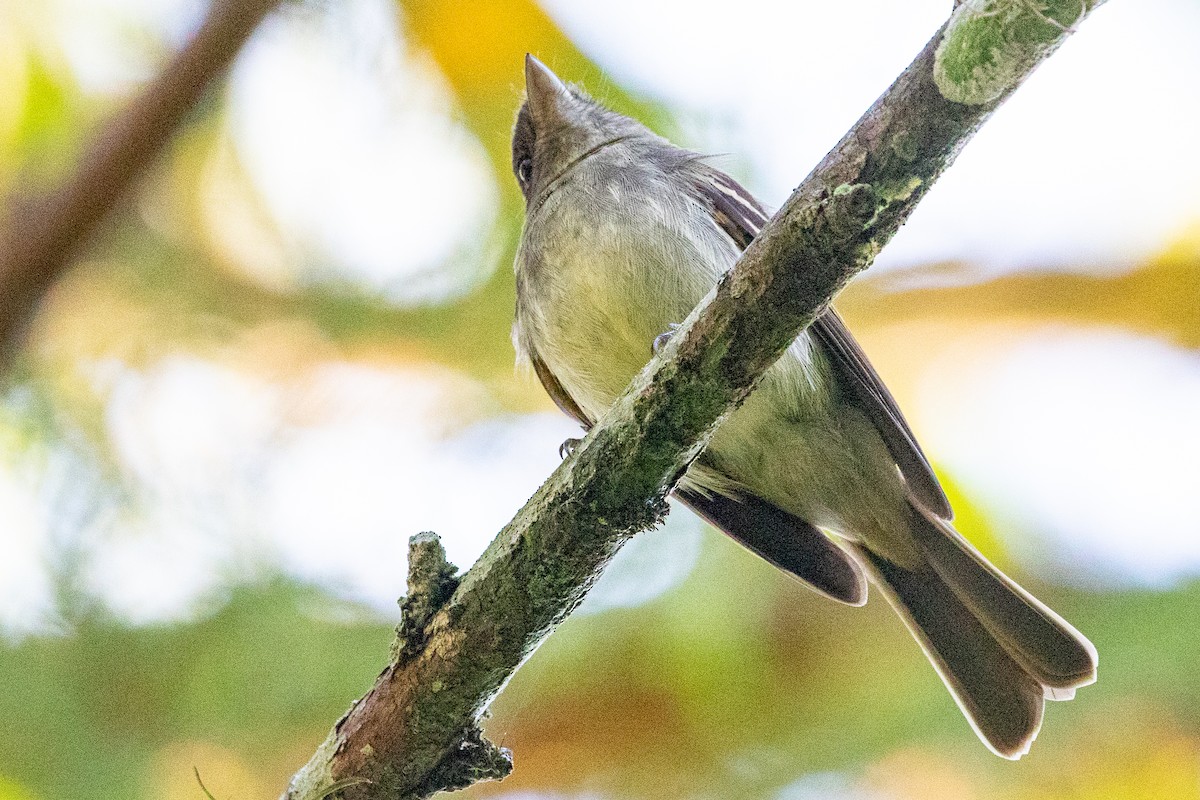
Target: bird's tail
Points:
x,y
999,650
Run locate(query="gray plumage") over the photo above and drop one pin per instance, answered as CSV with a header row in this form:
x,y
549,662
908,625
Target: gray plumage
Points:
x,y
624,234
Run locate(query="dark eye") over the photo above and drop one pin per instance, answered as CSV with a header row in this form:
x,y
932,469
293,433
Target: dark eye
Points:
x,y
524,171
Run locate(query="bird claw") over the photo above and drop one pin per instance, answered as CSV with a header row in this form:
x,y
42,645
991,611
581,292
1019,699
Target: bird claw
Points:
x,y
568,447
661,340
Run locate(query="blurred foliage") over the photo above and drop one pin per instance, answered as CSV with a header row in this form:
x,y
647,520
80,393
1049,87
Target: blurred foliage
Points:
x,y
109,711
739,684
736,684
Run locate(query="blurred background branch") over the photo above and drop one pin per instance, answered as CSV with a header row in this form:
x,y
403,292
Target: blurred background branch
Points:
x,y
42,231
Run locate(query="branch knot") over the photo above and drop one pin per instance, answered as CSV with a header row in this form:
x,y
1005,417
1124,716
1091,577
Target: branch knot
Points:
x,y
431,582
474,760
850,210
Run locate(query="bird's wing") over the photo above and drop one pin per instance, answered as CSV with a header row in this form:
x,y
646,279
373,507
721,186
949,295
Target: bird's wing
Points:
x,y
741,216
556,391
867,389
783,539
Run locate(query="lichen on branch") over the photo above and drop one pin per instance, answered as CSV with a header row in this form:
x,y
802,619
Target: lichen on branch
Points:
x,y
990,45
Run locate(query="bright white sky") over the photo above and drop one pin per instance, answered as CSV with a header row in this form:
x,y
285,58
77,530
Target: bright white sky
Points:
x,y
1090,164
1087,163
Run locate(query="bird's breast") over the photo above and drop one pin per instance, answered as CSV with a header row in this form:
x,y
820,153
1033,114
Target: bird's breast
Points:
x,y
606,268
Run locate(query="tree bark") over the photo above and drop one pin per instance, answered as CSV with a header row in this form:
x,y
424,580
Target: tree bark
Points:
x,y
42,234
416,731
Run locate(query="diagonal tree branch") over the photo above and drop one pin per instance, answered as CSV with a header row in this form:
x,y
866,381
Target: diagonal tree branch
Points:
x,y
416,731
41,235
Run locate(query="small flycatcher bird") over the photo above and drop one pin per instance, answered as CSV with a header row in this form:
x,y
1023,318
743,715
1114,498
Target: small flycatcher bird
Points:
x,y
817,472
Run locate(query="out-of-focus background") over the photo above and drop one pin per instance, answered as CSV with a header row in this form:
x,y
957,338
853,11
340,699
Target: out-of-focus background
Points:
x,y
289,352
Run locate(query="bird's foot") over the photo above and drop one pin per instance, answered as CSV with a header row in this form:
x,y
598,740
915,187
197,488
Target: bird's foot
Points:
x,y
661,340
568,447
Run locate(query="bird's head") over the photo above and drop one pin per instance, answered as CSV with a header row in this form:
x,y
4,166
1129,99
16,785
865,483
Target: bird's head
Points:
x,y
557,127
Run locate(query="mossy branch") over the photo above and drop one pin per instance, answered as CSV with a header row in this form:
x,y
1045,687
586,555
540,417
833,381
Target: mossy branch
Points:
x,y
990,45
416,731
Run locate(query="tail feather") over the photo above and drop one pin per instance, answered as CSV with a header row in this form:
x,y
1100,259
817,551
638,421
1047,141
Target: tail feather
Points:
x,y
1045,644
1003,702
999,650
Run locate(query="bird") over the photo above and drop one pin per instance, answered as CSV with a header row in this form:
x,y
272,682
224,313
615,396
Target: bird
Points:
x,y
817,472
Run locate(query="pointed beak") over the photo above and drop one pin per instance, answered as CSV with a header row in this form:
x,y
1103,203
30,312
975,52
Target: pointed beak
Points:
x,y
544,89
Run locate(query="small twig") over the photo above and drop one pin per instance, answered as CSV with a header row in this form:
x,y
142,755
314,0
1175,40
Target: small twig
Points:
x,y
203,788
431,581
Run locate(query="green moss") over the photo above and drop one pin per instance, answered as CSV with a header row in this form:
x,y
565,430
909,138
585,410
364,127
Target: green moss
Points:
x,y
901,191
906,146
990,45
